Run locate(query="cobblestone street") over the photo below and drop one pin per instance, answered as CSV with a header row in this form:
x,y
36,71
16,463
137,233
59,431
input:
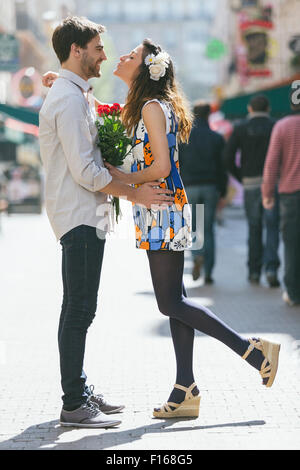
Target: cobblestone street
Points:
x,y
129,355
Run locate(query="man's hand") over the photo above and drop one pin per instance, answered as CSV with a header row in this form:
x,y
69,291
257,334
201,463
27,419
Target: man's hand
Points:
x,y
268,202
118,174
149,194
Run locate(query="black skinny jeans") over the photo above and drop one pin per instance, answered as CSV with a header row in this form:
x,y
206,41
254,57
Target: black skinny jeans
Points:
x,y
82,256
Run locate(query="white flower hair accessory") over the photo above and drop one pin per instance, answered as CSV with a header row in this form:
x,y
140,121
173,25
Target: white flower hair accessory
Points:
x,y
157,64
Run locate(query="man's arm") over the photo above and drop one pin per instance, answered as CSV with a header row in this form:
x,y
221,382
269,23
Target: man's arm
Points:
x,y
222,177
272,167
76,140
146,195
231,149
49,78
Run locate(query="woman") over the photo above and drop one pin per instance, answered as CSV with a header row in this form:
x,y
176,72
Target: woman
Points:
x,y
156,113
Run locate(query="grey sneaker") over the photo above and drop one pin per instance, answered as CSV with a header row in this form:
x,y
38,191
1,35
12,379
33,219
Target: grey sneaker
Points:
x,y
98,399
86,416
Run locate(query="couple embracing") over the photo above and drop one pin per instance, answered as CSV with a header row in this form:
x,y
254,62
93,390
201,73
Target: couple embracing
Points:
x,y
157,118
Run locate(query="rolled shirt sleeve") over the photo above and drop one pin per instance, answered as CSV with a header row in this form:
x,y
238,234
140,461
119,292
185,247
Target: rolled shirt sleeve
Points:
x,y
73,129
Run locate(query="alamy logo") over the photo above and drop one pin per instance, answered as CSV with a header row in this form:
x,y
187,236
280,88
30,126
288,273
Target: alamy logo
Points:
x,y
295,95
125,230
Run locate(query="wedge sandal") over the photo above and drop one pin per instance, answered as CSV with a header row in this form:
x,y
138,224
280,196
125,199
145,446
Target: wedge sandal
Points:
x,y
189,408
270,363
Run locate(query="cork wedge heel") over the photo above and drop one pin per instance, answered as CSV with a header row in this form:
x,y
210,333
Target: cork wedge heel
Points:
x,y
189,408
270,352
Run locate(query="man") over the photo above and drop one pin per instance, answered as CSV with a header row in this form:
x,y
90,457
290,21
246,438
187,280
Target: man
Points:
x,y
77,185
283,162
205,179
251,137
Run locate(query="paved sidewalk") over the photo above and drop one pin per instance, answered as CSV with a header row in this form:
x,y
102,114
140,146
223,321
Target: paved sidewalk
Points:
x,y
129,354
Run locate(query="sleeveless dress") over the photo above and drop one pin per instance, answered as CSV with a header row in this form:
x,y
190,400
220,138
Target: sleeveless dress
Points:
x,y
168,228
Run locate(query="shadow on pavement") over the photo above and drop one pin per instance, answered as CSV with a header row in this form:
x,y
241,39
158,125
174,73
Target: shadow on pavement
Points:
x,y
105,440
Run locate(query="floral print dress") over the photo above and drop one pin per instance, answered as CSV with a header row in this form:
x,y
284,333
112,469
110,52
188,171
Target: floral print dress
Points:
x,y
166,228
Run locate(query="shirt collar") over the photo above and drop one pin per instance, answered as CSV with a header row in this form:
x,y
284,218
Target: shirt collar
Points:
x,y
258,114
73,77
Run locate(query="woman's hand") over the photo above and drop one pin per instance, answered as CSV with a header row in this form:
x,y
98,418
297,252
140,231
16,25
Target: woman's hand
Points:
x,y
118,174
49,78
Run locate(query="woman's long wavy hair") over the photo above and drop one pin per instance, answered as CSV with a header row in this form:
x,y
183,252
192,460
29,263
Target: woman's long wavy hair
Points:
x,y
166,88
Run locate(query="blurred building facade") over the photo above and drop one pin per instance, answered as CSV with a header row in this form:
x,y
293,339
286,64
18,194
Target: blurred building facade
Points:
x,y
7,16
183,28
263,38
26,28
31,23
7,25
232,46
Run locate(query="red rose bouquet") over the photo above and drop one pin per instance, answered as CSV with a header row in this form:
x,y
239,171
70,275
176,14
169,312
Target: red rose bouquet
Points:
x,y
113,140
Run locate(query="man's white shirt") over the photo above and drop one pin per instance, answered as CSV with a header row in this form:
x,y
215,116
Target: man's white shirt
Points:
x,y
74,169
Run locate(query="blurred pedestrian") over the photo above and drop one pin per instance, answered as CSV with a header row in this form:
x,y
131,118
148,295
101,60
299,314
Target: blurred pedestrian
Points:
x,y
251,137
205,178
283,164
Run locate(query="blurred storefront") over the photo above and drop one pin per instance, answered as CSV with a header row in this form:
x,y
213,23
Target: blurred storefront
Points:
x,y
265,58
263,38
23,58
263,41
278,95
20,168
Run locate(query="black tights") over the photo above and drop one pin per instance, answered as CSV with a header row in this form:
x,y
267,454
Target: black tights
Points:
x,y
185,316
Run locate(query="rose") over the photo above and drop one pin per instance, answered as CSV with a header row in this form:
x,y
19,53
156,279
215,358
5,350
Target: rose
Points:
x,y
113,140
117,107
103,109
109,110
157,65
157,71
162,58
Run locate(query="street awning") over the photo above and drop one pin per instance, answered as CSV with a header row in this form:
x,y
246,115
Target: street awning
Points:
x,y
21,127
21,114
278,94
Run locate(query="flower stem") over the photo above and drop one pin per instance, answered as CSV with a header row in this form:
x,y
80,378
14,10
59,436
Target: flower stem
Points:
x,y
116,204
